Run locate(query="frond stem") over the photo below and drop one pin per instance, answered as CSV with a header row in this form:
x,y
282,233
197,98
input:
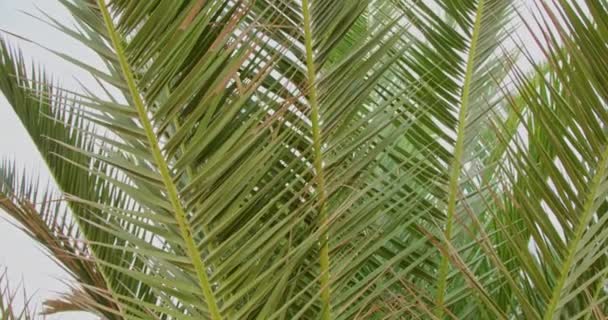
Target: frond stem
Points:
x,y
318,163
172,194
456,164
587,215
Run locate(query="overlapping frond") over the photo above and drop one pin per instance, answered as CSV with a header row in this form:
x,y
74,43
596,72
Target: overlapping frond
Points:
x,y
55,122
327,159
560,176
45,218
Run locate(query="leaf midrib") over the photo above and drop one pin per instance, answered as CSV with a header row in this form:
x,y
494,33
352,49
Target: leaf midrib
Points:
x,y
172,193
578,235
318,162
458,153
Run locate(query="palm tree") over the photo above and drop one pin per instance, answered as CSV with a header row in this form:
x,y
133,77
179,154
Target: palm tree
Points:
x,y
322,159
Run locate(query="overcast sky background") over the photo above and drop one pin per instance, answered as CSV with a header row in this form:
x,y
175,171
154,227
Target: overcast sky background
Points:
x,y
23,258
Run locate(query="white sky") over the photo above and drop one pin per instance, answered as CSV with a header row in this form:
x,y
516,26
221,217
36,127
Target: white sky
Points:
x,y
23,258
